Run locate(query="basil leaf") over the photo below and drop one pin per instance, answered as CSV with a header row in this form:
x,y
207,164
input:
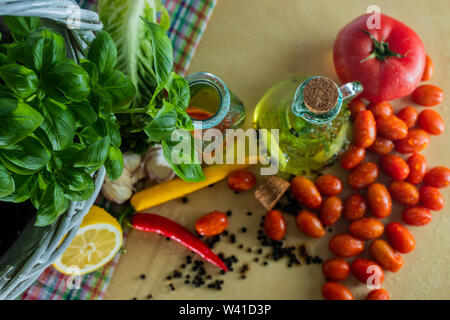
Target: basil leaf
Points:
x,y
179,92
83,112
52,204
26,157
103,52
162,126
73,180
115,91
114,163
6,92
91,69
18,123
83,194
184,121
21,80
162,53
188,170
59,124
24,186
93,156
66,81
40,51
112,130
6,182
21,26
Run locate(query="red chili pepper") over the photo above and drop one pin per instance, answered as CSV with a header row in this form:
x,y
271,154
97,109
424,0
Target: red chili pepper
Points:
x,y
149,222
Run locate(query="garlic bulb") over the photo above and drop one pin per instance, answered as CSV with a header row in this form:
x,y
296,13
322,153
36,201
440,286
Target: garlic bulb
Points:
x,y
156,165
121,190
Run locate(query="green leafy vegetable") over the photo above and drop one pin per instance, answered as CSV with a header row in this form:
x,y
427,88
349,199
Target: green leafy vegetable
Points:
x,y
66,81
6,182
103,52
51,204
59,124
18,123
26,157
162,55
114,163
53,133
22,80
164,123
132,37
22,26
93,156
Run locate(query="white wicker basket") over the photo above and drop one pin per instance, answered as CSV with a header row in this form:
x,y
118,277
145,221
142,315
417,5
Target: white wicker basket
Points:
x,y
37,247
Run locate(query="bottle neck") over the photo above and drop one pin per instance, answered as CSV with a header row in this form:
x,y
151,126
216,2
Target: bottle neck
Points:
x,y
209,96
318,100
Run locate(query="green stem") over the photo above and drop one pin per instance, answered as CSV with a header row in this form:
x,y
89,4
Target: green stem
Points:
x,y
132,110
381,50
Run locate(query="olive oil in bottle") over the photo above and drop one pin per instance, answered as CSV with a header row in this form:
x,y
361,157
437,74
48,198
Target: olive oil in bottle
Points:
x,y
313,121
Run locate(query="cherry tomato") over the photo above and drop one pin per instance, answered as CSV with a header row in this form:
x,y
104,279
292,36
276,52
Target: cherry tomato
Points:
x,y
275,225
431,198
429,68
241,180
417,216
329,185
400,238
364,129
386,256
309,224
404,193
336,269
382,146
365,270
428,95
305,191
431,122
355,207
381,108
438,177
416,141
378,294
417,168
211,224
353,157
336,291
391,127
394,166
363,175
379,200
346,245
409,116
356,106
367,228
331,211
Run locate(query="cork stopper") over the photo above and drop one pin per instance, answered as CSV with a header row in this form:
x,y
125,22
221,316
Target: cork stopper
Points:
x,y
320,95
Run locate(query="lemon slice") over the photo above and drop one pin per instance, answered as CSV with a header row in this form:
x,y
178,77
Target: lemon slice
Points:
x,y
97,241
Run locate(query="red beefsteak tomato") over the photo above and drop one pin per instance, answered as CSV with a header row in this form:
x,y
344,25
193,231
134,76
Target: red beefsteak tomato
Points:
x,y
388,61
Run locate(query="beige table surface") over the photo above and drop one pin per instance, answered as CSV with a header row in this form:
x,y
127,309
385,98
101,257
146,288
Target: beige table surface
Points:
x,y
253,44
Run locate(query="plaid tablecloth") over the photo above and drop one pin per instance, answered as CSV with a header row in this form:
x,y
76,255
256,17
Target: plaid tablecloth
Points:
x,y
188,21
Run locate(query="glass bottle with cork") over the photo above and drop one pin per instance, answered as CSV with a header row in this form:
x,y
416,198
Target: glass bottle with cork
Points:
x,y
313,121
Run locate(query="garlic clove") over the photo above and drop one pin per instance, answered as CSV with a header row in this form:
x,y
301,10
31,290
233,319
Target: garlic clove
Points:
x,y
156,165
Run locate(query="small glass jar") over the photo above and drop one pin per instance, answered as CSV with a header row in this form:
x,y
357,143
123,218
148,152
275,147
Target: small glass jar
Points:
x,y
212,104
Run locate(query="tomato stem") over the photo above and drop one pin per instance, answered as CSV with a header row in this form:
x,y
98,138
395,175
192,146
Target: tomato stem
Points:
x,y
381,50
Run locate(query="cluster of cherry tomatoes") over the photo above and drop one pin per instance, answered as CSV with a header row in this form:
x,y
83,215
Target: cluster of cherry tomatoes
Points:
x,y
378,130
